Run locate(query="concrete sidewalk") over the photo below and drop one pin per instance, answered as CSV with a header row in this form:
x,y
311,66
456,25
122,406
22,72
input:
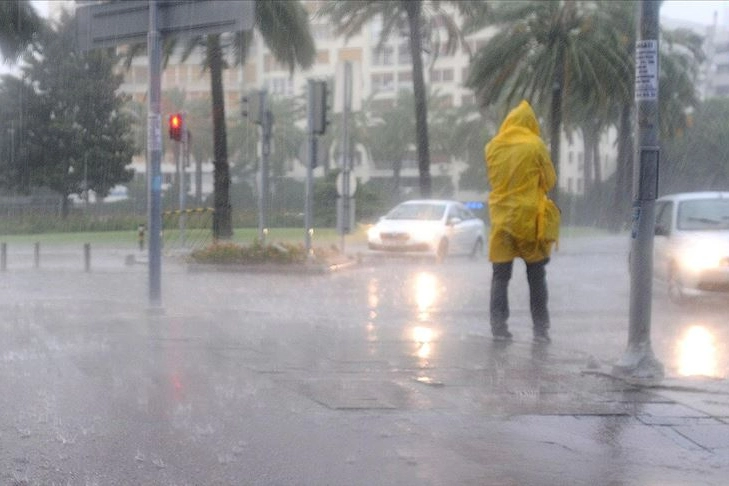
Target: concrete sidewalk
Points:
x,y
322,379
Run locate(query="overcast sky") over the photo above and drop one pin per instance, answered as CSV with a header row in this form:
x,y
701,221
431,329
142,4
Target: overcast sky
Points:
x,y
699,11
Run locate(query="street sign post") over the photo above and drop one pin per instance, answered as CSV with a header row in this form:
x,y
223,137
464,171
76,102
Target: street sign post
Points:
x,y
638,362
115,23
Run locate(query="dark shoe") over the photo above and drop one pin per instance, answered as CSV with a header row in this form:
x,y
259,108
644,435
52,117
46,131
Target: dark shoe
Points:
x,y
542,337
502,335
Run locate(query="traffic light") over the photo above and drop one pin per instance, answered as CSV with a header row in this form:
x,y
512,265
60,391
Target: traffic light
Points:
x,y
177,123
319,108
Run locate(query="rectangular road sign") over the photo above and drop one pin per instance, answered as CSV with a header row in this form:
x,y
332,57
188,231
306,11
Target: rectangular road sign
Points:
x,y
127,22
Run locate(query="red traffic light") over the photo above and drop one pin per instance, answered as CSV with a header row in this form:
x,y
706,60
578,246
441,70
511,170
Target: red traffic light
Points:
x,y
176,126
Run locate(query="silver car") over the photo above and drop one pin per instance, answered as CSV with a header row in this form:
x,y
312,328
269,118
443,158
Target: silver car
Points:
x,y
691,246
435,227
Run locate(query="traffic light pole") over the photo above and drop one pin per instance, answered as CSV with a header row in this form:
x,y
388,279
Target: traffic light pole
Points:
x,y
154,156
263,197
345,200
108,24
308,202
182,162
639,362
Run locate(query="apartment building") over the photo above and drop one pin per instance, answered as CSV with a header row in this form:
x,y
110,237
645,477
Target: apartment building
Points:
x,y
380,71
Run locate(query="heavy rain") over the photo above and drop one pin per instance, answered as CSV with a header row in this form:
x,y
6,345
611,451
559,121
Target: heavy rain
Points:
x,y
273,262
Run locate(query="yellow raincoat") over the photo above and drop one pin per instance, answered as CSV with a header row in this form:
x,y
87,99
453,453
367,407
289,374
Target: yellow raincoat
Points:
x,y
524,221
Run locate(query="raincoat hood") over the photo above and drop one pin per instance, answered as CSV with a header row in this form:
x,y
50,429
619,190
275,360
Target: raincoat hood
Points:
x,y
521,173
521,118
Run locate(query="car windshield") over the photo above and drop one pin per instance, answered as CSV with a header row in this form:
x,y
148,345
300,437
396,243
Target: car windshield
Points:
x,y
423,212
703,214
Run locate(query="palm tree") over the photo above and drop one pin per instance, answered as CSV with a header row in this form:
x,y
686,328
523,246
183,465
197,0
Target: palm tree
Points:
x,y
284,26
680,57
19,26
351,16
547,52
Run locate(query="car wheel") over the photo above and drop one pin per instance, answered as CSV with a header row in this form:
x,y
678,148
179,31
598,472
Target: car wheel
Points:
x,y
442,251
477,250
675,288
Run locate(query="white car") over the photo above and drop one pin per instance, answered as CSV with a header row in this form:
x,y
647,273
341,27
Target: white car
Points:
x,y
425,226
691,245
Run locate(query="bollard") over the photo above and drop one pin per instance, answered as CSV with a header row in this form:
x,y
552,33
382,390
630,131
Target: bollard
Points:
x,y
36,261
140,236
87,257
3,257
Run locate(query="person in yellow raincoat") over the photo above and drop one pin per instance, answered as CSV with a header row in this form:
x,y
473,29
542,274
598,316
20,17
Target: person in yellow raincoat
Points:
x,y
524,221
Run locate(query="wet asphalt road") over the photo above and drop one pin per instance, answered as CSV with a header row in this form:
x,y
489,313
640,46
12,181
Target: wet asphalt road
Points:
x,y
382,373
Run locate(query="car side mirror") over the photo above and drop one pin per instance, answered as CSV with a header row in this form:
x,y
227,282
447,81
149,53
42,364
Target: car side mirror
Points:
x,y
661,230
454,221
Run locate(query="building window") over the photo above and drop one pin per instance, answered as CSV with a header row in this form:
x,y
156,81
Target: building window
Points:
x,y
280,86
383,82
383,56
321,31
570,157
441,75
722,69
404,76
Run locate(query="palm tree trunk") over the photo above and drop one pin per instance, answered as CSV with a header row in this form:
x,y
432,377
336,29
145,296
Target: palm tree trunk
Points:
x,y
413,9
587,161
624,171
556,116
396,168
222,224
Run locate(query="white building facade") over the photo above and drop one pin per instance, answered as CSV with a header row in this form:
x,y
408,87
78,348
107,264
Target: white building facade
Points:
x,y
381,71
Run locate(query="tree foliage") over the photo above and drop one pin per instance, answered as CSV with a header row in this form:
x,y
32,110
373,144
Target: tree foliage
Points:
x,y
698,158
20,26
552,54
574,59
72,129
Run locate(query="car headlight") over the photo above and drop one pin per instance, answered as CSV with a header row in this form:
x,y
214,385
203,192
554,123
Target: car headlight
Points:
x,y
373,233
702,256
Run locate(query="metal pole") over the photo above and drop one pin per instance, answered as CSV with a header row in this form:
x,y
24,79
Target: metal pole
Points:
x,y
154,150
308,203
266,120
36,255
3,257
346,164
87,257
86,182
181,175
639,362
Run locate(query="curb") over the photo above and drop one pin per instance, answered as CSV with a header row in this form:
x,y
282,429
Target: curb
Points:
x,y
273,268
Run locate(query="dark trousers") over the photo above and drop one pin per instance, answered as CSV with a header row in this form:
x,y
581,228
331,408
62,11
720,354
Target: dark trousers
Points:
x,y
537,278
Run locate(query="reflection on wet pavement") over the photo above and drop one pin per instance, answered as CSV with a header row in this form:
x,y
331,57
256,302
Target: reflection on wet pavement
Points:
x,y
697,353
381,375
